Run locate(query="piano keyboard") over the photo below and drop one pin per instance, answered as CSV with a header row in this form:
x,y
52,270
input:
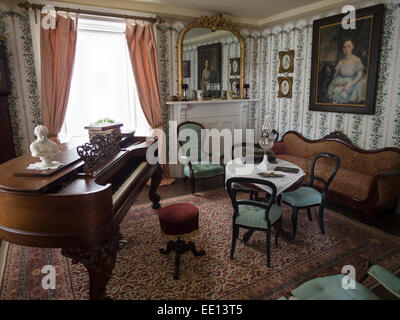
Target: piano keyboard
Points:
x,y
118,191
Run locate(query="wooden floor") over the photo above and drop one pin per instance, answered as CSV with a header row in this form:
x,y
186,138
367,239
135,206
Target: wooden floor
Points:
x,y
389,224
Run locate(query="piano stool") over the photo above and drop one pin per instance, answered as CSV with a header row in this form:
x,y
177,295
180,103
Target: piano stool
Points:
x,y
177,220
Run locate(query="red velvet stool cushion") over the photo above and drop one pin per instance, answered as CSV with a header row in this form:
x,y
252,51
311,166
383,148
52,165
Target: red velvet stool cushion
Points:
x,y
179,218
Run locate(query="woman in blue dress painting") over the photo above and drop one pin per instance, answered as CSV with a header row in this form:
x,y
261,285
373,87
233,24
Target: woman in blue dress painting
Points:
x,y
349,82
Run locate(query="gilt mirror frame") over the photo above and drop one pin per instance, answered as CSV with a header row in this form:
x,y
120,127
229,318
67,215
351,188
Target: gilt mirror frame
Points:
x,y
214,23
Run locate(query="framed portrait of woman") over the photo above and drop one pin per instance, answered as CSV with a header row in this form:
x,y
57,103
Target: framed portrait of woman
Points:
x,y
345,57
209,66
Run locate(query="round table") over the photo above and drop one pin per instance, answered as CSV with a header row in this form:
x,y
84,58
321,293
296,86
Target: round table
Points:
x,y
289,181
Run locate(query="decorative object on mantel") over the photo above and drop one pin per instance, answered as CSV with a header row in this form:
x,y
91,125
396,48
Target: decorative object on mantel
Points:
x,y
344,65
267,139
185,87
246,86
105,126
200,95
285,87
237,89
230,95
235,66
286,61
45,149
100,149
234,82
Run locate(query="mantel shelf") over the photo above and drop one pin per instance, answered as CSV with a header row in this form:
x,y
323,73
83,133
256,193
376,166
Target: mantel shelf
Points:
x,y
212,101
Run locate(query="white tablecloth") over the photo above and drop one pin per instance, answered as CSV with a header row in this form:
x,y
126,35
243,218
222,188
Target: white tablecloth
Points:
x,y
235,168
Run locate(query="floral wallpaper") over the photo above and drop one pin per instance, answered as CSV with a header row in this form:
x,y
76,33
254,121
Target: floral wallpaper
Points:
x,y
261,71
23,101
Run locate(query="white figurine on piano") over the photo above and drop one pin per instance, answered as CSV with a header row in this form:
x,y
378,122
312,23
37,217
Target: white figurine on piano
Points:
x,y
45,149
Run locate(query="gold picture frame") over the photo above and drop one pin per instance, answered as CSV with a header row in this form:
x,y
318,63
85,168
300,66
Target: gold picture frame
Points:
x,y
235,66
286,61
233,83
217,22
285,87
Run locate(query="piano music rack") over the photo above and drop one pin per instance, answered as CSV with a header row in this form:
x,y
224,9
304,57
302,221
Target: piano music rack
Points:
x,y
100,149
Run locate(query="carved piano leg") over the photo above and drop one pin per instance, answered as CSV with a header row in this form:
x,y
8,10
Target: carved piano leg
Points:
x,y
155,182
99,261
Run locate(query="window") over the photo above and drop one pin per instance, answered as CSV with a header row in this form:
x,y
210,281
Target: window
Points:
x,y
102,83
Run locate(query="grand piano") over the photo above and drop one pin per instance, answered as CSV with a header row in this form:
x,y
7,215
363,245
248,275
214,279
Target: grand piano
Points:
x,y
75,208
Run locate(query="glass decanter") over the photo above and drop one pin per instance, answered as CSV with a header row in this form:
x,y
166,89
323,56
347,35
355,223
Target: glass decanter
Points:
x,y
267,139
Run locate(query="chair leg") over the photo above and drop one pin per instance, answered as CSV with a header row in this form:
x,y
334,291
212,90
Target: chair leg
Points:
x,y
192,182
321,219
268,248
278,229
294,221
309,214
279,200
235,234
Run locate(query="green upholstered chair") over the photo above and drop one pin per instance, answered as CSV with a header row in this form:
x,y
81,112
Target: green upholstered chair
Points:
x,y
330,287
307,197
193,166
254,215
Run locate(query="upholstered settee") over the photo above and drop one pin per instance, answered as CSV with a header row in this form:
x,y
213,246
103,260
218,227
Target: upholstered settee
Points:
x,y
367,181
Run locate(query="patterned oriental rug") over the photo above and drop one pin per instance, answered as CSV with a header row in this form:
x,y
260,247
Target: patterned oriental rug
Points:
x,y
141,272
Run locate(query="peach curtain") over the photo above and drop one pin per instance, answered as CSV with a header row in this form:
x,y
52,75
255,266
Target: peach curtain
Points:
x,y
57,52
143,52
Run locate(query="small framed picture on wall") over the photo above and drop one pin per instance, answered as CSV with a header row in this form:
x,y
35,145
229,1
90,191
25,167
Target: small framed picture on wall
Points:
x,y
285,87
235,66
286,61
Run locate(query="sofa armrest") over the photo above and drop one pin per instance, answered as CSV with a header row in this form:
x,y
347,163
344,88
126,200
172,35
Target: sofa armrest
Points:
x,y
386,279
383,188
279,148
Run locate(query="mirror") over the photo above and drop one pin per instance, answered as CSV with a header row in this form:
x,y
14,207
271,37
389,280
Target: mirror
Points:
x,y
210,60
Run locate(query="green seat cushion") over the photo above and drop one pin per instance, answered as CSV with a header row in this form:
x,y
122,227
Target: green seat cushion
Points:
x,y
302,197
204,170
330,288
252,216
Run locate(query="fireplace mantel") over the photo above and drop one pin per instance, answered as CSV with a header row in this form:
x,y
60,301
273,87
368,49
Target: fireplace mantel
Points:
x,y
216,101
212,114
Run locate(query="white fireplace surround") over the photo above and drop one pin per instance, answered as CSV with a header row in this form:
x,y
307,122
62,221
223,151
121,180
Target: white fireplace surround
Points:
x,y
212,114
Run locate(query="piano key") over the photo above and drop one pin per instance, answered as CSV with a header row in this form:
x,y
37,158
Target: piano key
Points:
x,y
121,190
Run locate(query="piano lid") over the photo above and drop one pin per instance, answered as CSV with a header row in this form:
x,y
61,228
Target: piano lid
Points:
x,y
37,181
